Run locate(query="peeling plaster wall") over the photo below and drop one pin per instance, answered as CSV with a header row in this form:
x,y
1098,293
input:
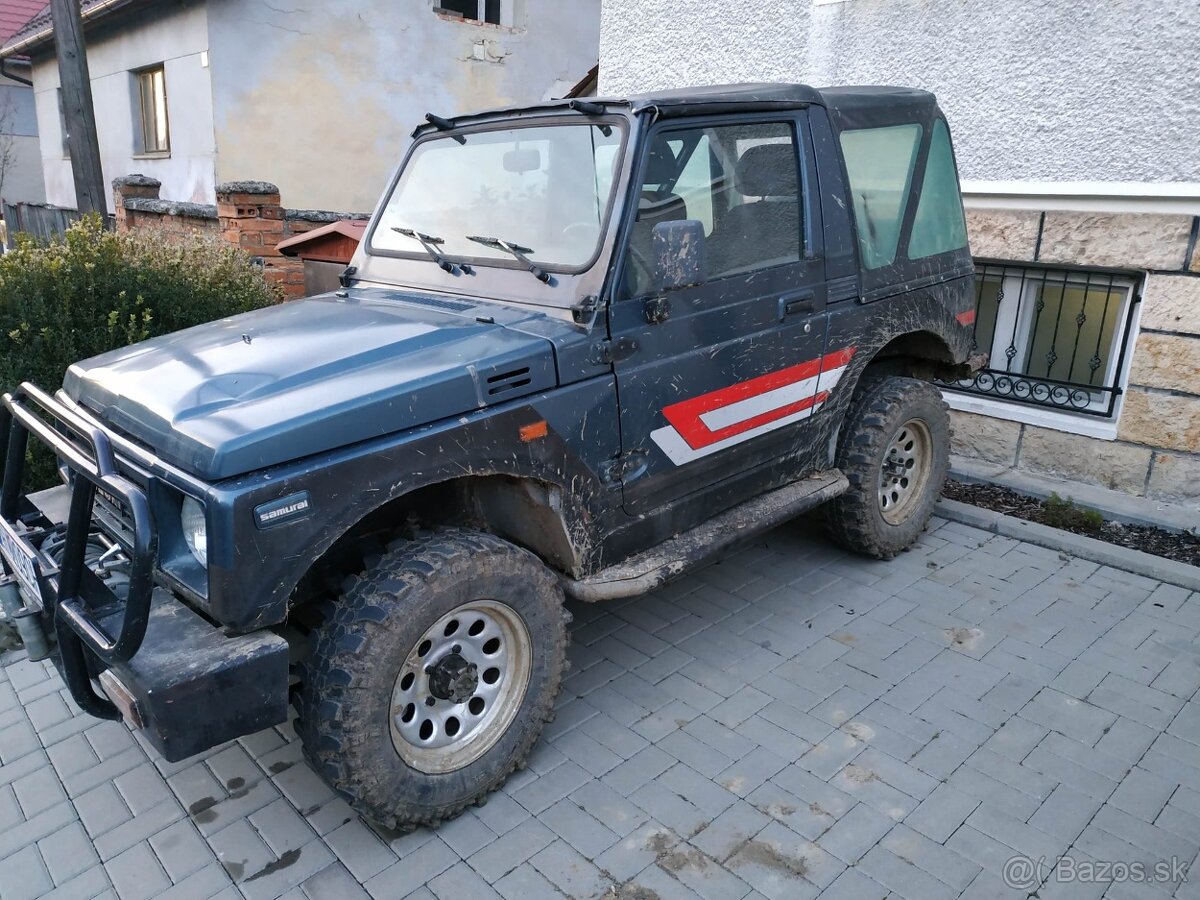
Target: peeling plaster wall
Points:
x,y
321,98
22,180
1035,91
175,37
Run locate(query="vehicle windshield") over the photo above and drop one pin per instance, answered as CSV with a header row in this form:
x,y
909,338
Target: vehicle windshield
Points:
x,y
543,189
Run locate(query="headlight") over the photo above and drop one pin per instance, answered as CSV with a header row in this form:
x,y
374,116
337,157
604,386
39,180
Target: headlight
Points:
x,y
195,529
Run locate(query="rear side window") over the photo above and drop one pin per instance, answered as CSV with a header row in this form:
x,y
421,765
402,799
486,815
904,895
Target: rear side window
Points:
x,y
880,162
939,225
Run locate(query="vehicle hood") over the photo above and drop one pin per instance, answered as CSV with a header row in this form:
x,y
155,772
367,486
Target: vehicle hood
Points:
x,y
300,378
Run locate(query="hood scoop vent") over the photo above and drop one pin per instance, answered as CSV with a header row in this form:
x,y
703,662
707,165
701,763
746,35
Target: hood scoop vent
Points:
x,y
437,302
508,381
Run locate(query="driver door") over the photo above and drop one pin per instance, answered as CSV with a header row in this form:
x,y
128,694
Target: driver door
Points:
x,y
723,374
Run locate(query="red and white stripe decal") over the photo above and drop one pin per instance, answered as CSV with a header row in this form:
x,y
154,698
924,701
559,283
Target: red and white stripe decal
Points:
x,y
711,422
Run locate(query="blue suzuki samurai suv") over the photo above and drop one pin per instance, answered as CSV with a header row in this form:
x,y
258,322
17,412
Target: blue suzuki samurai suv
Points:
x,y
583,347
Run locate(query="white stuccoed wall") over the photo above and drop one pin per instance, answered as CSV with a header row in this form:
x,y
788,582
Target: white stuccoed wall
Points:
x,y
1107,90
177,37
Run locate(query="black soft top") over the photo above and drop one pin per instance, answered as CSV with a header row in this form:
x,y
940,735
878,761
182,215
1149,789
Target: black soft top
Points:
x,y
849,107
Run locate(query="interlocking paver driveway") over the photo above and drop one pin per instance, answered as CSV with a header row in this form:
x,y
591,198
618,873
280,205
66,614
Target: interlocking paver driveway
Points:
x,y
789,723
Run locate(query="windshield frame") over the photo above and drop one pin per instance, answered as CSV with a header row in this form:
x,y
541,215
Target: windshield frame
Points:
x,y
614,120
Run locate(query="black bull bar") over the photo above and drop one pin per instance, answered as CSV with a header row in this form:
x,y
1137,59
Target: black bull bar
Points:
x,y
72,596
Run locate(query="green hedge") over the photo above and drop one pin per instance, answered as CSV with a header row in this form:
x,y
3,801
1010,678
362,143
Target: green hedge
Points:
x,y
94,290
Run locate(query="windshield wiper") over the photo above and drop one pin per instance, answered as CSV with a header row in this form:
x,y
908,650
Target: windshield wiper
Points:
x,y
429,242
515,250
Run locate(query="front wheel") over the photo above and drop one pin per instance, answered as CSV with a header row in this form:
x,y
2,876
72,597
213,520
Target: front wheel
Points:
x,y
433,676
894,450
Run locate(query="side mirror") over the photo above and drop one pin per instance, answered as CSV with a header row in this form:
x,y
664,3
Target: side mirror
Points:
x,y
679,254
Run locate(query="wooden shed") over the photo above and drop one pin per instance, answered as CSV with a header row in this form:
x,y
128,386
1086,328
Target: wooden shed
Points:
x,y
326,251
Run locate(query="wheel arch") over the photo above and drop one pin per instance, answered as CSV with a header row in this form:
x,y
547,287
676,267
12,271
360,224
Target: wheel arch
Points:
x,y
921,354
530,512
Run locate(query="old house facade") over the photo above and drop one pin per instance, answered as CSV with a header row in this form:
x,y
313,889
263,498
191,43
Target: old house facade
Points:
x,y
1081,177
319,98
20,155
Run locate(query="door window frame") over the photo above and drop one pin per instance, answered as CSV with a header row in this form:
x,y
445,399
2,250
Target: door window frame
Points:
x,y
811,221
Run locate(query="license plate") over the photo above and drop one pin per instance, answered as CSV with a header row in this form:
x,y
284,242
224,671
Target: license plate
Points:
x,y
21,563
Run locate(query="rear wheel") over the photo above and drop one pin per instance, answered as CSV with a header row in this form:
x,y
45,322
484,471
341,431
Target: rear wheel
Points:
x,y
894,450
432,677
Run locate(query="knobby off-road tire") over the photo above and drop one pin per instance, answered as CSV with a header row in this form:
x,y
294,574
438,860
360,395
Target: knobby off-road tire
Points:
x,y
894,449
363,718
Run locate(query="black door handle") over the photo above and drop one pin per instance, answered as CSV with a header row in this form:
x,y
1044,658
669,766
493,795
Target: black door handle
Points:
x,y
796,304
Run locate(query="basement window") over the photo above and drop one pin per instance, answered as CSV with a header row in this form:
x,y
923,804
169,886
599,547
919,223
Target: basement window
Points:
x,y
153,135
489,11
1059,338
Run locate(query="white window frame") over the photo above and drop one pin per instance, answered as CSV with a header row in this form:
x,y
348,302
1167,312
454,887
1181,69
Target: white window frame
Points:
x,y
1124,335
144,128
508,15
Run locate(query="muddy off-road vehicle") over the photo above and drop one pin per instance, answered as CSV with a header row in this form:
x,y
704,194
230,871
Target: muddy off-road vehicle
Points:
x,y
583,347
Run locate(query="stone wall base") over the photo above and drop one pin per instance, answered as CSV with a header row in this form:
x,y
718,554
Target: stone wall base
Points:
x,y
1124,466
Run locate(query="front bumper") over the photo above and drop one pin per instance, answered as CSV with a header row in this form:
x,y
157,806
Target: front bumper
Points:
x,y
159,664
190,687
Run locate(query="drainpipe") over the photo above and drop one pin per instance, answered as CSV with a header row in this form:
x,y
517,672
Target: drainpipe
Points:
x,y
7,74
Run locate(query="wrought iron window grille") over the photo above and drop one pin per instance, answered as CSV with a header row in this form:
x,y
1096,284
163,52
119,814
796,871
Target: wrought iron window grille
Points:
x,y
1058,337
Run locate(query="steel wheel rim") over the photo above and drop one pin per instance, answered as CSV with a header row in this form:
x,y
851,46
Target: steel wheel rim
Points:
x,y
905,472
455,730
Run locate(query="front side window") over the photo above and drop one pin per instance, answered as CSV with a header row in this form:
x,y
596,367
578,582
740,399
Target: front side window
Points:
x,y
879,163
1056,336
742,182
154,133
544,190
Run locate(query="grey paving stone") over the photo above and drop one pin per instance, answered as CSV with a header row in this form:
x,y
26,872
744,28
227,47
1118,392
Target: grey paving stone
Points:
x,y
608,807
40,826
23,875
702,875
645,765
547,790
211,881
511,849
67,852
1142,794
136,874
930,856
1065,813
527,883
333,882
855,833
422,865
460,881
695,753
728,831
902,877
637,850
940,814
360,851
38,791
750,771
137,828
578,828
712,798
567,870
466,833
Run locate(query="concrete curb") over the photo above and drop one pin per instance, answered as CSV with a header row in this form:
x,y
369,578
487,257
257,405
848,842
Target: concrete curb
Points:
x,y
1091,549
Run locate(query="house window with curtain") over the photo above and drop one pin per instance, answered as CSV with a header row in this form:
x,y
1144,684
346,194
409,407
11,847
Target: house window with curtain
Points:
x,y
152,133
